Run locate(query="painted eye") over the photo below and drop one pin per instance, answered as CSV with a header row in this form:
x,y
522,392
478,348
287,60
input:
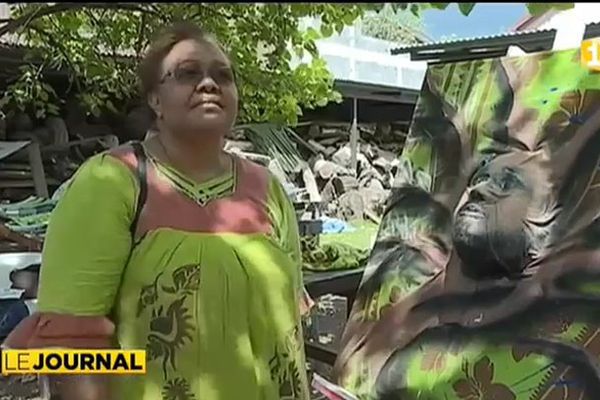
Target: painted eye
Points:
x,y
481,175
508,180
505,183
485,162
480,178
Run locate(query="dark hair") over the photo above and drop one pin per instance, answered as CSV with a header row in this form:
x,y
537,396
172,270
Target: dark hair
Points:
x,y
162,44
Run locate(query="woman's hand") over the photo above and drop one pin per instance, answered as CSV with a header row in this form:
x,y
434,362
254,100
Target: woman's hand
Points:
x,y
82,387
306,303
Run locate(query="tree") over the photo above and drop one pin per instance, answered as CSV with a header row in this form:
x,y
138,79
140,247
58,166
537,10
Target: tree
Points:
x,y
395,25
97,43
92,43
466,8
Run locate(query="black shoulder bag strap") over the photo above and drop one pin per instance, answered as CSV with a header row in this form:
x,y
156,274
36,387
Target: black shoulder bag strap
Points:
x,y
142,174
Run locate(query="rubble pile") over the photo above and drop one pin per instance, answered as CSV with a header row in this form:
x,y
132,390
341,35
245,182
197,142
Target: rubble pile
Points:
x,y
20,387
344,193
313,161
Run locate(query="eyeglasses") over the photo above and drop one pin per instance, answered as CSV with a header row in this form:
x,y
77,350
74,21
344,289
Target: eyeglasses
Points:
x,y
191,74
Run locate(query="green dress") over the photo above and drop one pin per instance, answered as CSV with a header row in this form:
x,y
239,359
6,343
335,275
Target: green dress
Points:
x,y
209,284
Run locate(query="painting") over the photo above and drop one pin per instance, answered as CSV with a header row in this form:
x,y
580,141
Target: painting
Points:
x,y
484,280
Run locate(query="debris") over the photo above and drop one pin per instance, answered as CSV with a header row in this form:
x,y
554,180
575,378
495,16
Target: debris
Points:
x,y
311,185
383,163
349,183
342,156
327,169
275,141
331,141
374,199
371,151
318,147
376,185
279,173
333,189
377,164
238,145
335,225
312,161
351,206
373,217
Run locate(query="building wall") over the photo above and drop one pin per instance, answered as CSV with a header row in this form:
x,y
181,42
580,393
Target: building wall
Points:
x,y
352,56
581,13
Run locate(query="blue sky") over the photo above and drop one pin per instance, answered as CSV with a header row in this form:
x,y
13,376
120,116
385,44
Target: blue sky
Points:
x,y
485,19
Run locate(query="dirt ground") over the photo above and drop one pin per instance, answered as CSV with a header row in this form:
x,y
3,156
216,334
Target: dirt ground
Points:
x,y
19,388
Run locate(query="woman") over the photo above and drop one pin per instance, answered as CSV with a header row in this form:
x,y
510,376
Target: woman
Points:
x,y
206,276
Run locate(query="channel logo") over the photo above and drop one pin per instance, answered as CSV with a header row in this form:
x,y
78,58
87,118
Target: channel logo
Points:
x,y
47,361
590,54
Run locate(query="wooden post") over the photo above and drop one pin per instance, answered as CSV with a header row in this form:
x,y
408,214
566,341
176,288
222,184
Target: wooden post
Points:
x,y
354,136
37,170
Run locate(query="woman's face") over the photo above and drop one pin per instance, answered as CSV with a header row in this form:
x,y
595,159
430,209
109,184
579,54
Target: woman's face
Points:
x,y
197,92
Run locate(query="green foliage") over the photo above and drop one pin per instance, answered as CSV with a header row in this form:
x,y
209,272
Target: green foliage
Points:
x,y
90,41
401,26
466,8
31,94
533,8
540,8
439,6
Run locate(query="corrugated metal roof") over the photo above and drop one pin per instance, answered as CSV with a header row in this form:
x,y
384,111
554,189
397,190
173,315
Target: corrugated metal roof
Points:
x,y
473,40
377,92
487,46
592,30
